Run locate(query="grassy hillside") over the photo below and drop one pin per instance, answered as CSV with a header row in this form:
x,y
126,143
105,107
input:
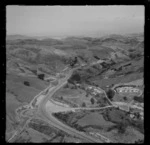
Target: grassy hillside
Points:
x,y
102,62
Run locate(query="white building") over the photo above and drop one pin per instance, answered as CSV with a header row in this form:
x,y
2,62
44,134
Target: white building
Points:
x,y
128,90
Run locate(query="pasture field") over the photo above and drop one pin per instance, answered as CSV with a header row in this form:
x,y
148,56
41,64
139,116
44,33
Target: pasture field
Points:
x,y
24,93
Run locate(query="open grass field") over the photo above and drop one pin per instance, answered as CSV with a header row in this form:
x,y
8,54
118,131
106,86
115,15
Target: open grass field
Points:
x,y
23,93
11,105
94,119
130,136
121,79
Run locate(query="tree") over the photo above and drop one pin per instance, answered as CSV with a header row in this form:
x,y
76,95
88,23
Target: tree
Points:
x,y
87,94
66,86
125,98
110,94
83,104
92,101
26,83
61,98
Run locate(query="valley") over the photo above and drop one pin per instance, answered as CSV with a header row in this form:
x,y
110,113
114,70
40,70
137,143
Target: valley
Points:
x,y
76,89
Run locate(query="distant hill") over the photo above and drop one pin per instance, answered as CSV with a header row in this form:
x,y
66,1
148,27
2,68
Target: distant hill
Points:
x,y
86,49
24,37
15,37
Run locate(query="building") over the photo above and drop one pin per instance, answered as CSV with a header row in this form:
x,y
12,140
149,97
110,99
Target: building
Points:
x,y
132,115
128,90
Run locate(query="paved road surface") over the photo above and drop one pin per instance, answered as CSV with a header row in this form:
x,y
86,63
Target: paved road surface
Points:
x,y
45,113
53,121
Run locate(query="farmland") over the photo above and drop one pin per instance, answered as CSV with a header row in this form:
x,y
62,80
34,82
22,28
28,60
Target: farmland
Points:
x,y
93,106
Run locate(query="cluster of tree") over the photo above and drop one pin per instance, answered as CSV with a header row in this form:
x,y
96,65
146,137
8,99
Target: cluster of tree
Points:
x,y
104,64
74,78
82,58
78,127
138,124
61,116
138,99
41,128
41,76
97,67
101,101
23,140
121,128
112,62
134,55
131,50
107,65
72,62
139,141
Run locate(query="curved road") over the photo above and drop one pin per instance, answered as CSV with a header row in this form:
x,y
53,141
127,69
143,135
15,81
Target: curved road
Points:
x,y
47,114
42,112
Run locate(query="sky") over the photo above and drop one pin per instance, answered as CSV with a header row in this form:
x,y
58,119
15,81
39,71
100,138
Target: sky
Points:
x,y
74,20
